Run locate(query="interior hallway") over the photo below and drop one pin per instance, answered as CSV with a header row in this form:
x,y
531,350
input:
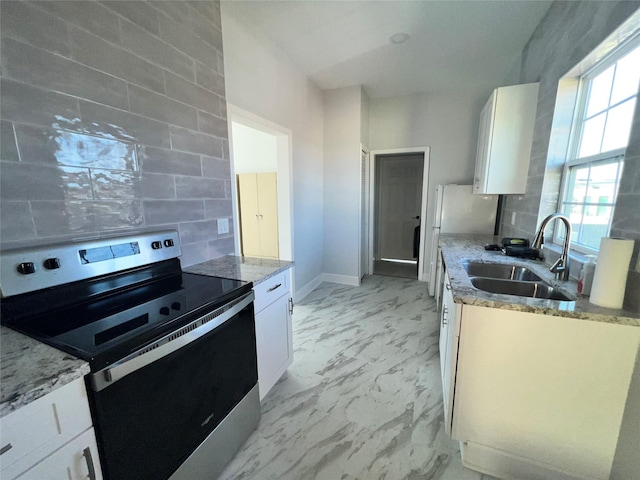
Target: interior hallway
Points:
x,y
363,398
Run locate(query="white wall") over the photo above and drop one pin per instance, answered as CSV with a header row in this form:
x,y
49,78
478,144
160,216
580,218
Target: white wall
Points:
x,y
342,111
254,151
263,81
446,122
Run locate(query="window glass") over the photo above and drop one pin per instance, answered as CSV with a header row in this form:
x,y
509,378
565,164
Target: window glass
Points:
x,y
601,132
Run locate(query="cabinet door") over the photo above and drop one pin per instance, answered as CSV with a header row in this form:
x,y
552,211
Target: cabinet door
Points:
x,y
450,328
249,223
484,141
77,460
273,343
268,214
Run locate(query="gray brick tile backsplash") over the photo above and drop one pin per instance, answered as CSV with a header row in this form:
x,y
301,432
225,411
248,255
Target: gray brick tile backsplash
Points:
x,y
199,187
17,221
207,10
60,219
98,53
187,42
115,184
158,186
36,67
210,79
62,147
195,142
212,125
194,232
99,119
138,12
221,246
219,208
31,25
216,167
157,212
28,181
109,122
158,160
8,149
26,104
88,15
192,94
178,11
148,46
159,107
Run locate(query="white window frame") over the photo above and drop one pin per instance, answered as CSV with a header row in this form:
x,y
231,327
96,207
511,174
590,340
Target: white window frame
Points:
x,y
575,137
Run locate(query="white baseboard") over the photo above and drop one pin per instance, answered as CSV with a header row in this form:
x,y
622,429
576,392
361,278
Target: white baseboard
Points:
x,y
298,295
341,279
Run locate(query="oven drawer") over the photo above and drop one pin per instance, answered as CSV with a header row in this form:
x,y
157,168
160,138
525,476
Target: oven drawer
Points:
x,y
270,290
37,429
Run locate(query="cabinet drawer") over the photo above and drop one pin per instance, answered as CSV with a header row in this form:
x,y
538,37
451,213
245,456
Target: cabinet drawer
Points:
x,y
37,429
77,460
270,290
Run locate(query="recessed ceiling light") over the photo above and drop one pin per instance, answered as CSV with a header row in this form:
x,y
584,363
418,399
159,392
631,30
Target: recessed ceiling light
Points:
x,y
399,38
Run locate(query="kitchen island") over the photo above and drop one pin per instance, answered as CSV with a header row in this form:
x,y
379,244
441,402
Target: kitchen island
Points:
x,y
533,388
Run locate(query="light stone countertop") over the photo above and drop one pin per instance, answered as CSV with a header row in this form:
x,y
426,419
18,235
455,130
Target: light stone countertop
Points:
x,y
458,247
248,269
30,369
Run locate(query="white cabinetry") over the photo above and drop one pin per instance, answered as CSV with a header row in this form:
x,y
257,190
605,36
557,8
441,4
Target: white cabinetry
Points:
x,y
540,396
449,335
504,140
51,438
274,337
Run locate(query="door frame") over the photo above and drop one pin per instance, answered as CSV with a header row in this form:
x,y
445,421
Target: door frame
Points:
x,y
373,154
284,170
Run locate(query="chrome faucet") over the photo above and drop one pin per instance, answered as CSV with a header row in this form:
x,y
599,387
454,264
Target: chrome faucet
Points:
x,y
561,267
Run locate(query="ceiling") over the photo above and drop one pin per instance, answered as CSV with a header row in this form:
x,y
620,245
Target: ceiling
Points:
x,y
453,45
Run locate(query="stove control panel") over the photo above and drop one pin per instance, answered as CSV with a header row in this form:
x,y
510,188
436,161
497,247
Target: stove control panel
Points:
x,y
30,269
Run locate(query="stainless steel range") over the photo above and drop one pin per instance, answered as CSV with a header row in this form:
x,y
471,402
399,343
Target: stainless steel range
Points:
x,y
173,384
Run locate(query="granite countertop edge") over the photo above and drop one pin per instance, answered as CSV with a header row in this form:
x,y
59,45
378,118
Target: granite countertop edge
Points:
x,y
459,247
248,269
30,369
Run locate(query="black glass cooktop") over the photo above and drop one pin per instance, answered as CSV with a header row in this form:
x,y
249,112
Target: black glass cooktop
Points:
x,y
105,320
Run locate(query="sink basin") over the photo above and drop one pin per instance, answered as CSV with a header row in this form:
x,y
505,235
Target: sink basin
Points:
x,y
522,289
500,270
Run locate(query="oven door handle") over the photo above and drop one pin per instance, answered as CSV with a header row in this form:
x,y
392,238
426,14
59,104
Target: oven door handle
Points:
x,y
168,344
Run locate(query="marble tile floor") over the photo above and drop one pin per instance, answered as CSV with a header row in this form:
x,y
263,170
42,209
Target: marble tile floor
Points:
x,y
362,399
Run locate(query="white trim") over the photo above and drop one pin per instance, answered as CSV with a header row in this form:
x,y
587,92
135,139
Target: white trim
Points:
x,y
423,211
341,279
284,144
368,271
300,294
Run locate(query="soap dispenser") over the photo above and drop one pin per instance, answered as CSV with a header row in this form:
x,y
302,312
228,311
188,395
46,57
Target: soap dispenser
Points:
x,y
586,275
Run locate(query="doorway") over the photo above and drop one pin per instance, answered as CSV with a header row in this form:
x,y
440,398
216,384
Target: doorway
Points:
x,y
262,149
398,184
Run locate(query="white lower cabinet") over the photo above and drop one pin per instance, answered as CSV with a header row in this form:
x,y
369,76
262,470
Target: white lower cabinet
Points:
x,y
51,438
76,460
274,336
539,396
449,335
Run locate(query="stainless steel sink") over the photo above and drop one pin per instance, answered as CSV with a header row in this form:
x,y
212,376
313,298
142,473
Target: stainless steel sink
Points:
x,y
523,289
500,270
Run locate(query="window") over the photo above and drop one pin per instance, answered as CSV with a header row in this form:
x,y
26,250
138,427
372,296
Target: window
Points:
x,y
600,133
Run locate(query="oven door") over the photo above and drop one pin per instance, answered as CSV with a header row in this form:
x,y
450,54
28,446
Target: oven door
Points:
x,y
155,407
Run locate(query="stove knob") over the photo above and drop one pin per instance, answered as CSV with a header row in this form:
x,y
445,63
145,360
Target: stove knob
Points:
x,y
51,263
26,268
165,311
176,305
168,242
156,245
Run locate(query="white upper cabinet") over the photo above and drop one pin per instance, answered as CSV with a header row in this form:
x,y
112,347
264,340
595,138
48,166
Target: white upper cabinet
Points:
x,y
504,140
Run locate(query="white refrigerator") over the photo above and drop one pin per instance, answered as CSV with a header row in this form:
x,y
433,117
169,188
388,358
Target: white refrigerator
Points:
x,y
458,210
